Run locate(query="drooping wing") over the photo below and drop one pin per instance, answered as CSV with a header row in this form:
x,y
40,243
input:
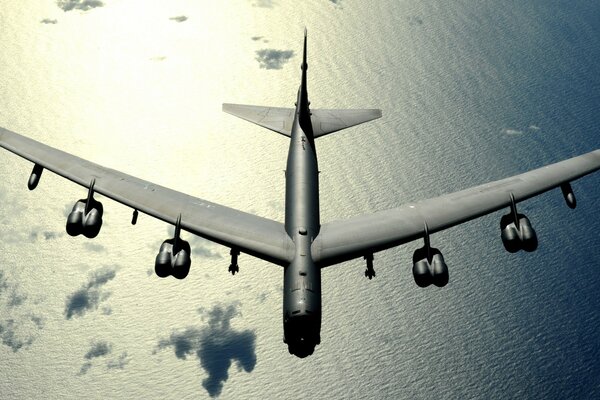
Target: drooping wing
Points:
x,y
344,240
276,119
260,237
326,121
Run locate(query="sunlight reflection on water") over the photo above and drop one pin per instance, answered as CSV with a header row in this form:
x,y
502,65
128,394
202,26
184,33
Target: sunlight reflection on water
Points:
x,y
129,88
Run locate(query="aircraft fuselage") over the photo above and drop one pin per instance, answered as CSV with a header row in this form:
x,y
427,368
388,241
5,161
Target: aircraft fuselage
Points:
x,y
302,278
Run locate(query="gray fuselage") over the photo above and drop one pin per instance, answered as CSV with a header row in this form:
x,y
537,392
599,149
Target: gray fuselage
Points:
x,y
302,278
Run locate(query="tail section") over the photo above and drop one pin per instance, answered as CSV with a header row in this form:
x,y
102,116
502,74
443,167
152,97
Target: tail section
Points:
x,y
304,64
277,119
304,67
280,120
320,122
302,103
325,122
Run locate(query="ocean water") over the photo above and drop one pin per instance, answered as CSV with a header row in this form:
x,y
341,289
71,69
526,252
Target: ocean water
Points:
x,y
470,92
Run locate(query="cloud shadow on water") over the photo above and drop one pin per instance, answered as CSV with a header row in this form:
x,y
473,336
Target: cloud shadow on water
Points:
x,y
179,18
11,338
95,247
263,3
3,282
97,349
18,322
84,5
272,58
90,295
118,363
216,346
103,349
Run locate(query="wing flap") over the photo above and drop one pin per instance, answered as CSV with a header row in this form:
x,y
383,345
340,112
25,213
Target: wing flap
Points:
x,y
344,240
260,237
277,119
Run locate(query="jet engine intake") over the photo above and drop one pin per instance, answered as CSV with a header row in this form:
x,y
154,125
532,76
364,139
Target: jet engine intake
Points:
x,y
429,267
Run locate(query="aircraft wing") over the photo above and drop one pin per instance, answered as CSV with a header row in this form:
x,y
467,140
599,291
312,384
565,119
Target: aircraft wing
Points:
x,y
260,237
344,240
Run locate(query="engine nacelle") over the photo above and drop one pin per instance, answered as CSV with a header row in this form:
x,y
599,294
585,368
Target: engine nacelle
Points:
x,y
173,258
519,236
510,237
528,235
430,268
88,224
75,219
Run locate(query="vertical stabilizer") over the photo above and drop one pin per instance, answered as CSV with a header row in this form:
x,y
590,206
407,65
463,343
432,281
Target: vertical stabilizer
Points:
x,y
304,65
303,87
303,103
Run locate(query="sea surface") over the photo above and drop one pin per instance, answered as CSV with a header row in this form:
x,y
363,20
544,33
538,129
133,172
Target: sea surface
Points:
x,y
471,91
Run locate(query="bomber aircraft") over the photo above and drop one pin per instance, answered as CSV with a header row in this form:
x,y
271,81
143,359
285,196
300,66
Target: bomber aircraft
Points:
x,y
302,244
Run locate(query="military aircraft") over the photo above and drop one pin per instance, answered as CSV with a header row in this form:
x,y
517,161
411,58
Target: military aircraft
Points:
x,y
302,245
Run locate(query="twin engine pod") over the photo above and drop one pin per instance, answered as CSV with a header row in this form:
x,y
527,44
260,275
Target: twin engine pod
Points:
x,y
516,230
86,216
429,267
174,256
517,235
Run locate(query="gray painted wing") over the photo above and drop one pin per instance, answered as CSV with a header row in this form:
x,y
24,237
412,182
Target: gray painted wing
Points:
x,y
260,237
276,119
326,121
340,241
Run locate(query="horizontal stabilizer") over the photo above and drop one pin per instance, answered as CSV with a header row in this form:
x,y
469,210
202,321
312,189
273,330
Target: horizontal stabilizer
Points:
x,y
276,119
280,119
325,121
